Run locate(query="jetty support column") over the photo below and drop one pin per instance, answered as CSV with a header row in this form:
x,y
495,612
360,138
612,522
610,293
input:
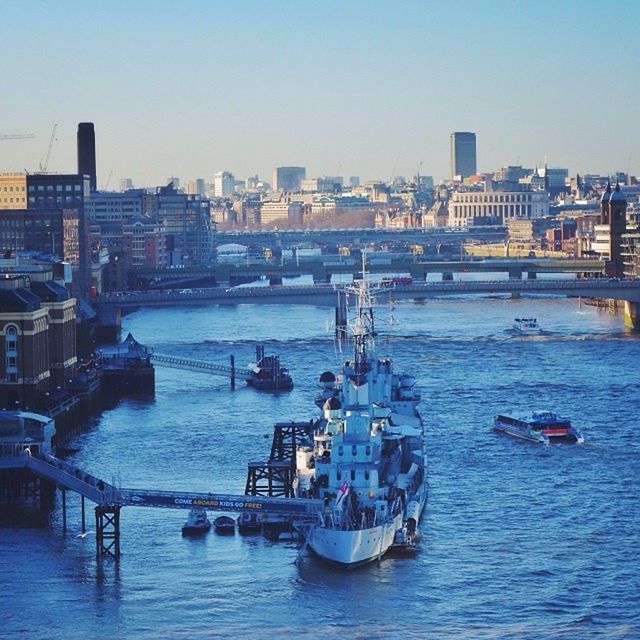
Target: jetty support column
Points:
x,y
108,531
232,361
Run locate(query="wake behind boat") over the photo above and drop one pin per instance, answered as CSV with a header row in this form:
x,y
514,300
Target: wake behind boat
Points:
x,y
368,460
542,427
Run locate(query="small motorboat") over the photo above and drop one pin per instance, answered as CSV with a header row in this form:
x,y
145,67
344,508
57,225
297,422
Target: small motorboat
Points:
x,y
197,522
224,524
526,326
249,523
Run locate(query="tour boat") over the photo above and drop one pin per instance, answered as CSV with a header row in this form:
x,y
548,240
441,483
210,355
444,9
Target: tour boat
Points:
x,y
197,522
526,326
543,427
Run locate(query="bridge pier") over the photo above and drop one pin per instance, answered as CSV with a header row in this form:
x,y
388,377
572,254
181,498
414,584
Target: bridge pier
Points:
x,y
632,314
515,273
108,531
321,276
275,281
447,276
532,275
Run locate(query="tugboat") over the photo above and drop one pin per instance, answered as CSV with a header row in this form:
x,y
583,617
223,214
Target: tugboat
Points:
x,y
542,427
368,460
197,523
266,374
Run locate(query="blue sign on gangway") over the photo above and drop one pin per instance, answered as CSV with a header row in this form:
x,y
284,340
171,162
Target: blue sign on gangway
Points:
x,y
183,500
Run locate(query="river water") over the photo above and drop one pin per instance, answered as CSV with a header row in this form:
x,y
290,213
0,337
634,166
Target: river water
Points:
x,y
520,541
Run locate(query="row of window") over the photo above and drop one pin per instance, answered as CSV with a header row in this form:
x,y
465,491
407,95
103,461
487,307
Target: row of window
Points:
x,y
11,352
486,198
58,187
13,188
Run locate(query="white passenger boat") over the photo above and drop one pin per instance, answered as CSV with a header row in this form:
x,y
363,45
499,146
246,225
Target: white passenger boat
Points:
x,y
526,326
543,427
368,460
197,522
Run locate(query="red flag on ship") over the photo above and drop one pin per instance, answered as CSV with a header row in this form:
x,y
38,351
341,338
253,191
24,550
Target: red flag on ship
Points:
x,y
342,492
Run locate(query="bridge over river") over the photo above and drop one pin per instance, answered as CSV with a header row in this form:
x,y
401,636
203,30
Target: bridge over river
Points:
x,y
327,294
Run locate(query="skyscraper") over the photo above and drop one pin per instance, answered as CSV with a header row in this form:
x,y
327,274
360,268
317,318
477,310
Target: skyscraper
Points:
x,y
288,178
463,154
87,152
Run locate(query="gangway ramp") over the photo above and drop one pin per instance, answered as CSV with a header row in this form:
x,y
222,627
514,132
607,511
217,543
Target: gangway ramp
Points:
x,y
199,366
70,477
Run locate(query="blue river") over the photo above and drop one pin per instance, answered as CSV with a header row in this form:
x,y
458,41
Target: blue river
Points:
x,y
519,540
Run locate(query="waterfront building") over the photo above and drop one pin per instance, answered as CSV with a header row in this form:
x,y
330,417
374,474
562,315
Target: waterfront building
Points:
x,y
224,184
87,152
50,232
144,244
13,190
187,223
609,233
37,338
469,208
463,154
288,178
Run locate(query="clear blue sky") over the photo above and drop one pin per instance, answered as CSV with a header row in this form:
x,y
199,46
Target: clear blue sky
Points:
x,y
366,88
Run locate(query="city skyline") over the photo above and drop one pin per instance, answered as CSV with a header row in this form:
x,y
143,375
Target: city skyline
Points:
x,y
377,93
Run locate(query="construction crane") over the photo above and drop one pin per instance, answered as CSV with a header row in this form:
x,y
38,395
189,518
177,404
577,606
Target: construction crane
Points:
x,y
16,136
106,184
45,164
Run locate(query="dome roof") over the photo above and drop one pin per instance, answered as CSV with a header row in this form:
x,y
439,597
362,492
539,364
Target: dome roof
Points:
x,y
327,376
617,195
606,194
332,404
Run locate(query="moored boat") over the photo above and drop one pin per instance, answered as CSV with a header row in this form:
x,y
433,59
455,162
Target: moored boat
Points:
x,y
267,374
542,427
197,523
368,461
224,524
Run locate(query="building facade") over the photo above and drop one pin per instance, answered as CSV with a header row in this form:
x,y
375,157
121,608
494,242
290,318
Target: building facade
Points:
x,y
288,178
224,184
472,208
463,154
13,190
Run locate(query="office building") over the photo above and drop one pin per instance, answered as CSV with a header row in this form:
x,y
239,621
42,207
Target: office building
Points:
x,y
288,178
108,212
195,187
13,190
87,152
224,184
463,154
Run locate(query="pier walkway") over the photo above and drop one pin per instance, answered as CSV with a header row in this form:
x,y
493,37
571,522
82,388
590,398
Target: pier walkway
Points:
x,y
109,499
199,366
